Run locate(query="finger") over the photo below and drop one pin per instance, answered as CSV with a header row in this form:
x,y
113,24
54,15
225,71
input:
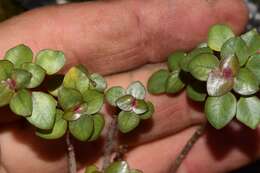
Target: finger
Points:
x,y
216,152
115,36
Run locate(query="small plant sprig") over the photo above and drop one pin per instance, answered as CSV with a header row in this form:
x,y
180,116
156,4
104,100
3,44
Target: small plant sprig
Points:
x,y
73,102
131,105
224,73
131,108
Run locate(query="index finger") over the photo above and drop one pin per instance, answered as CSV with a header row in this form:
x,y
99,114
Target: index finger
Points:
x,y
115,36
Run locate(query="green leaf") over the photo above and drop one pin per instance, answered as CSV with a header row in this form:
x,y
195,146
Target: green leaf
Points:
x,y
98,82
127,121
202,65
253,65
249,36
137,90
43,110
94,100
174,83
6,94
69,98
196,91
21,78
235,47
6,69
117,167
157,82
187,59
38,74
217,84
220,110
50,60
99,123
139,106
218,35
58,130
149,113
21,103
82,128
113,94
174,60
77,79
246,83
248,111
19,55
254,46
125,103
92,169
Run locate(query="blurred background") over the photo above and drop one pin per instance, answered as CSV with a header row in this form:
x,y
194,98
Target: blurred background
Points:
x,y
9,8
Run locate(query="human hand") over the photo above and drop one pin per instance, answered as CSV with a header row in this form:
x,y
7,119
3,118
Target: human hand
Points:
x,y
110,37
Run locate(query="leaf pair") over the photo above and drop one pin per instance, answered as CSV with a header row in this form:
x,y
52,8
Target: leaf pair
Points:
x,y
86,128
221,110
51,61
46,61
163,81
80,79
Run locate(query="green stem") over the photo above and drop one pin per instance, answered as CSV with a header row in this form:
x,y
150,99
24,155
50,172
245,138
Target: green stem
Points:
x,y
186,149
72,164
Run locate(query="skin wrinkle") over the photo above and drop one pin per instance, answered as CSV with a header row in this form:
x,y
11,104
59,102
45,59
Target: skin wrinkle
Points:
x,y
121,52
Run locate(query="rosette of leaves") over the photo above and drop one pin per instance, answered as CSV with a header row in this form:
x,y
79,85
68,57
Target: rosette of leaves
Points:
x,y
114,167
227,72
80,98
233,77
19,74
133,108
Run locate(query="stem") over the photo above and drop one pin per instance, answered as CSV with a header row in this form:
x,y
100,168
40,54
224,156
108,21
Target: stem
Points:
x,y
110,143
186,149
72,165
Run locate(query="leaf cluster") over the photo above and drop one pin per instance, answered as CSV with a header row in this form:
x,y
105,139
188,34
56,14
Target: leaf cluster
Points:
x,y
73,102
131,104
224,73
19,74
